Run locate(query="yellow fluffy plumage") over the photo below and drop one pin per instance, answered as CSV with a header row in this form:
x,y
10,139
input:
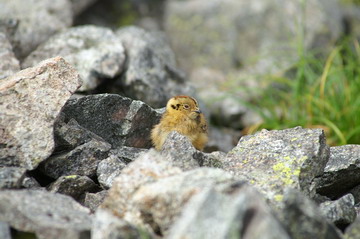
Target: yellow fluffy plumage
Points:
x,y
184,116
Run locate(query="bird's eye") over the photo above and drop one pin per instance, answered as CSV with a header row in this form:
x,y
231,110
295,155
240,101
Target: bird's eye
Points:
x,y
186,106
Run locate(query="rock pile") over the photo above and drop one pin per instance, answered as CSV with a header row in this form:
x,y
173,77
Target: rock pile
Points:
x,y
76,159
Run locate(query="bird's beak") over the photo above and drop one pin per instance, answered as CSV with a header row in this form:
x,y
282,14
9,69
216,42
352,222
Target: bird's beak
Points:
x,y
197,111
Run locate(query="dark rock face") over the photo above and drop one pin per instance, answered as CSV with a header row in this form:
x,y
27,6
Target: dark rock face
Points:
x,y
74,186
30,102
31,211
151,75
82,160
303,219
117,119
273,160
342,172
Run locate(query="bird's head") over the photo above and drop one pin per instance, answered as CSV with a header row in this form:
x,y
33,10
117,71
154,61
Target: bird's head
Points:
x,y
184,105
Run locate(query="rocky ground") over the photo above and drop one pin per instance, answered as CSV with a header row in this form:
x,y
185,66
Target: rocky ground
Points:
x,y
77,104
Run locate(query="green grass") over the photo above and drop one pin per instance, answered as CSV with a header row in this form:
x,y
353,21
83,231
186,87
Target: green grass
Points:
x,y
319,93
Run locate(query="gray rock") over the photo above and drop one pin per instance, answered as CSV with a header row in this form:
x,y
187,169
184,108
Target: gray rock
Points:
x,y
109,168
342,172
151,191
78,6
37,21
11,177
46,214
9,65
151,74
30,182
220,34
95,52
303,219
71,135
178,149
83,160
117,119
31,101
341,212
353,231
149,167
93,200
74,186
232,211
274,160
5,231
159,203
107,226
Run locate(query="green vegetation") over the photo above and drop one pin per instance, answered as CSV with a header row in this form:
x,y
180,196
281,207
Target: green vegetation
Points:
x,y
321,92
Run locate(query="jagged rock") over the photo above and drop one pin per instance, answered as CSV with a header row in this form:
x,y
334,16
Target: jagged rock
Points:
x,y
46,214
342,172
160,202
220,34
303,219
31,101
71,135
74,186
232,211
109,168
30,182
83,160
9,65
353,231
274,160
150,192
183,154
11,177
95,52
117,119
5,231
151,74
107,226
149,167
341,212
37,21
93,200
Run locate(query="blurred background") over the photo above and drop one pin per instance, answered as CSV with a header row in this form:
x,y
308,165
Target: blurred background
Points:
x,y
256,64
259,64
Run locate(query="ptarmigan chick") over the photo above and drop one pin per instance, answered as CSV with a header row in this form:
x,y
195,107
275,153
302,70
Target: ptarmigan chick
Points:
x,y
184,116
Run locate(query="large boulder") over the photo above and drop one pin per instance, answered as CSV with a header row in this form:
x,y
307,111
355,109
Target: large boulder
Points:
x,y
95,52
234,210
31,101
119,120
277,159
46,214
37,21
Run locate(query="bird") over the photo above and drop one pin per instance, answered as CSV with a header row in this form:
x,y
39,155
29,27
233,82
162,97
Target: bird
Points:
x,y
183,115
